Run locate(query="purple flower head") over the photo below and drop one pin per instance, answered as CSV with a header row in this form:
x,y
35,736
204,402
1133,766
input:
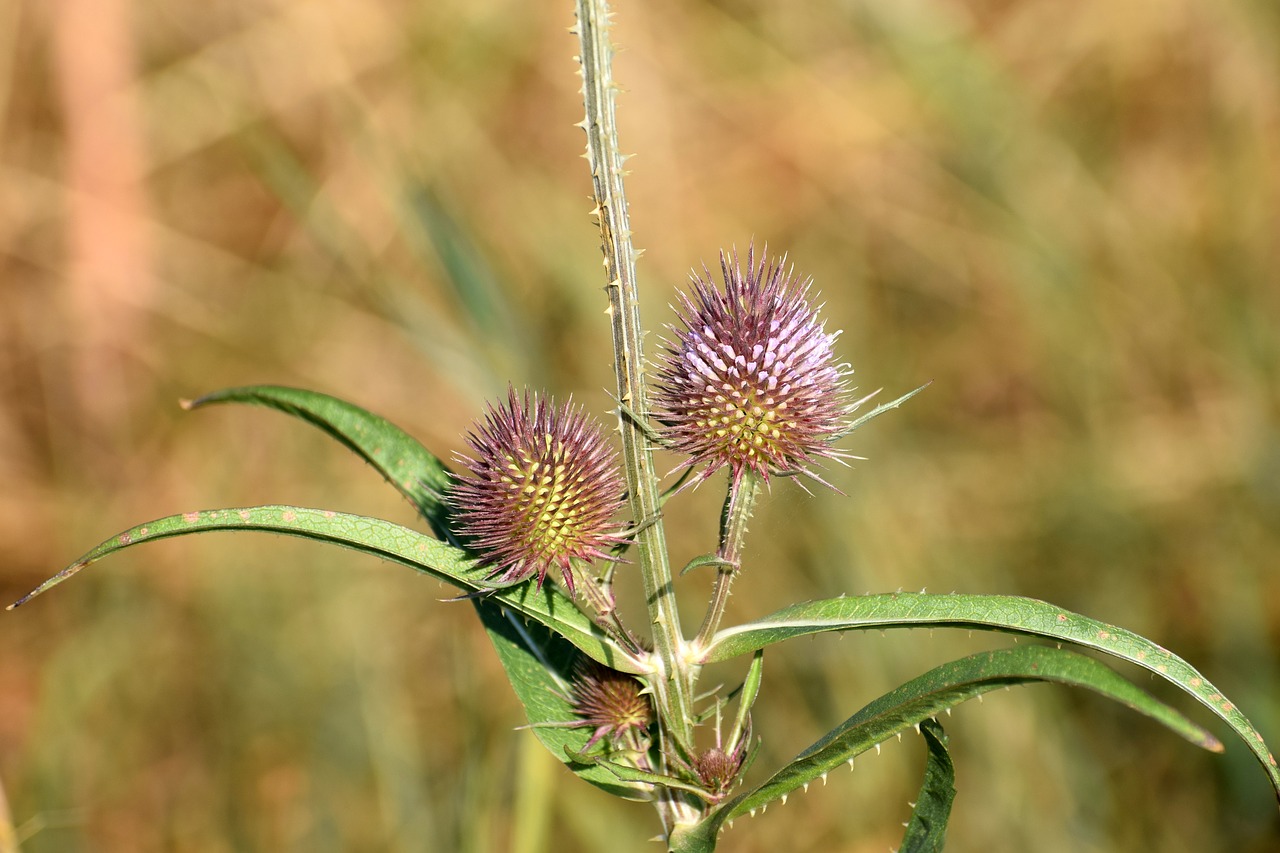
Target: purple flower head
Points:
x,y
749,379
722,767
609,702
542,488
718,770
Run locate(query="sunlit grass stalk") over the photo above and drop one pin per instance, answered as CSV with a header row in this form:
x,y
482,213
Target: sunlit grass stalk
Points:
x,y
672,686
8,837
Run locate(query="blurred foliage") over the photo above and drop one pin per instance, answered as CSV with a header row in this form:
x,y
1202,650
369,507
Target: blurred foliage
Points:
x,y
1065,214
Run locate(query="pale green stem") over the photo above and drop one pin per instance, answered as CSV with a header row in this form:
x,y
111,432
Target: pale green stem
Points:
x,y
672,685
599,594
741,499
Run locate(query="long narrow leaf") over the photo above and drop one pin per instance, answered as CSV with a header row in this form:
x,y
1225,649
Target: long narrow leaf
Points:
x,y
944,687
1009,614
414,471
417,473
379,538
927,829
653,780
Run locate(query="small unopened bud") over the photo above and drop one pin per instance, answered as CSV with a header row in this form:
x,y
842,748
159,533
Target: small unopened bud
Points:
x,y
717,769
610,702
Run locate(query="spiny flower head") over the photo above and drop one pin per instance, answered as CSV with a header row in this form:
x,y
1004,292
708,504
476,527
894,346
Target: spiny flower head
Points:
x,y
542,487
749,379
720,768
610,702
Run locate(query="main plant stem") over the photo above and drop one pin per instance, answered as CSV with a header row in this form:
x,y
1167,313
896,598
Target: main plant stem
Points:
x,y
672,683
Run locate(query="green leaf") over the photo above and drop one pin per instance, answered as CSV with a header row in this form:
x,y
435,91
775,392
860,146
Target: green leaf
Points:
x,y
927,829
747,697
944,687
379,538
693,838
704,560
653,780
413,470
539,665
1009,614
402,460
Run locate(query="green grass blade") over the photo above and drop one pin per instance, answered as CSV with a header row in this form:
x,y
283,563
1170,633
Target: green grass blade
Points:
x,y
469,274
379,538
413,470
1009,614
539,664
927,829
944,687
8,836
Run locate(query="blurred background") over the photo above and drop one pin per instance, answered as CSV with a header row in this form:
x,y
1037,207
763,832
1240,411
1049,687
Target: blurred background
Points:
x,y
1066,215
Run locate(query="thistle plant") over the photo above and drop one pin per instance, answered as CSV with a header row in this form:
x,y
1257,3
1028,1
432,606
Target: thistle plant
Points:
x,y
537,518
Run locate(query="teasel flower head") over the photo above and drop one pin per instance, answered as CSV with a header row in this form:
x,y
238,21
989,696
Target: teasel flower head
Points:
x,y
609,701
748,380
541,488
720,768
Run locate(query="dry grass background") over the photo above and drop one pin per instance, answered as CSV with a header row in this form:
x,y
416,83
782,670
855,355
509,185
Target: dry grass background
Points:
x,y
1067,215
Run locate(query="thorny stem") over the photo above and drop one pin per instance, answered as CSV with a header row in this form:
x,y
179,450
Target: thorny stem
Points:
x,y
741,499
672,685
